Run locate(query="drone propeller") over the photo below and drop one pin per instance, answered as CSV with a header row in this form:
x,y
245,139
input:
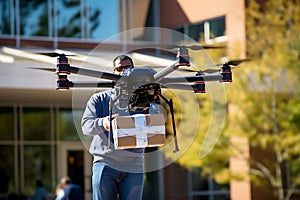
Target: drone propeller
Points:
x,y
207,71
212,70
195,47
54,54
154,51
45,69
234,62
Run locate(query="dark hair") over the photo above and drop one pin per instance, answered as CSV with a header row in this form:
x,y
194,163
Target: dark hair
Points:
x,y
65,180
123,57
39,183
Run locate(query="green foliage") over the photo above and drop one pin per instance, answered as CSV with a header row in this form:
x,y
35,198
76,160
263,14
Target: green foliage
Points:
x,y
185,105
193,114
263,102
270,104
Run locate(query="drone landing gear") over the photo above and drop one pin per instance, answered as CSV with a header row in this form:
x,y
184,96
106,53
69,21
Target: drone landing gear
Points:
x,y
170,104
110,127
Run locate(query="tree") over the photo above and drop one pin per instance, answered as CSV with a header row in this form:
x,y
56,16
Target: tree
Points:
x,y
272,100
263,104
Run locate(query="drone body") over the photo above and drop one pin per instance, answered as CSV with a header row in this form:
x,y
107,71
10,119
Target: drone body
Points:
x,y
136,88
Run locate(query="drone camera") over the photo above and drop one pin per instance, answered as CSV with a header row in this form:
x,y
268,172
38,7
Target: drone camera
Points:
x,y
199,87
143,96
226,74
183,58
136,90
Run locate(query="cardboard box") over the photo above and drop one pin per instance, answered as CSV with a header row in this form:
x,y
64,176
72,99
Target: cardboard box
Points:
x,y
139,131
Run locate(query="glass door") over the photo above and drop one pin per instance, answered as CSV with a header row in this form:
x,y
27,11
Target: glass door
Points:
x,y
74,160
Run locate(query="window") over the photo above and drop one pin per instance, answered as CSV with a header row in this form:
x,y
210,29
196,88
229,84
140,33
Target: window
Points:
x,y
6,21
7,181
34,18
195,31
217,26
103,19
7,123
68,18
205,188
36,124
28,144
68,119
88,19
205,31
79,19
37,166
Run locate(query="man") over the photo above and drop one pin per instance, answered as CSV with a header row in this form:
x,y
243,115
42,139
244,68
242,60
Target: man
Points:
x,y
116,172
40,191
71,191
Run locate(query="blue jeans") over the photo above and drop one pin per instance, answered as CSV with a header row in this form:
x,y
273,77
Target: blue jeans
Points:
x,y
107,183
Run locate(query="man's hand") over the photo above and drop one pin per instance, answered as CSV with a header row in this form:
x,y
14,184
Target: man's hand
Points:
x,y
106,121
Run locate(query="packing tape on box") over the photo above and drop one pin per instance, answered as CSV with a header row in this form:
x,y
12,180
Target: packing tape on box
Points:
x,y
135,131
140,131
139,121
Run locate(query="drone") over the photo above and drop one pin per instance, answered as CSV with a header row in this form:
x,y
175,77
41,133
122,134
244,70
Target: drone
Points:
x,y
137,88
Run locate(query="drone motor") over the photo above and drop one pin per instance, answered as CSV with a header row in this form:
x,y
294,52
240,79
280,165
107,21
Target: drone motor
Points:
x,y
183,58
199,87
226,73
62,67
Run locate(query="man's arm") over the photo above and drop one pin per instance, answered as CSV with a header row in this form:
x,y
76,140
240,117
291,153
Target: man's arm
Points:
x,y
95,112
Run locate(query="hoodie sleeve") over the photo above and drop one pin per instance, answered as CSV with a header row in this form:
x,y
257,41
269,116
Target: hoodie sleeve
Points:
x,y
96,109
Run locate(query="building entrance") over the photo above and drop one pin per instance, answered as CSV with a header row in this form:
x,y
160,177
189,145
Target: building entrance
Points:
x,y
75,161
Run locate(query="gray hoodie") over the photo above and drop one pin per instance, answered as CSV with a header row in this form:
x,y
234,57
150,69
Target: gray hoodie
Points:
x,y
130,160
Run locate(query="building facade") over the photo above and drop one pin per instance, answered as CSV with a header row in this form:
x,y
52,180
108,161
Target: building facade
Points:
x,y
39,136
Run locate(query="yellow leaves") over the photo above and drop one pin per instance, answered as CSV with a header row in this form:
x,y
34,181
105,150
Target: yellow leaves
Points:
x,y
270,26
222,176
269,118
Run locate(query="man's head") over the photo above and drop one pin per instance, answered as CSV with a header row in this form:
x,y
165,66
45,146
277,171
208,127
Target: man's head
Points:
x,y
64,181
121,63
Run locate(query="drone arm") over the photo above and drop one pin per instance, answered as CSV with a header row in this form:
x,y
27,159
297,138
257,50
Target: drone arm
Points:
x,y
88,72
94,84
208,77
65,84
159,75
179,86
183,59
